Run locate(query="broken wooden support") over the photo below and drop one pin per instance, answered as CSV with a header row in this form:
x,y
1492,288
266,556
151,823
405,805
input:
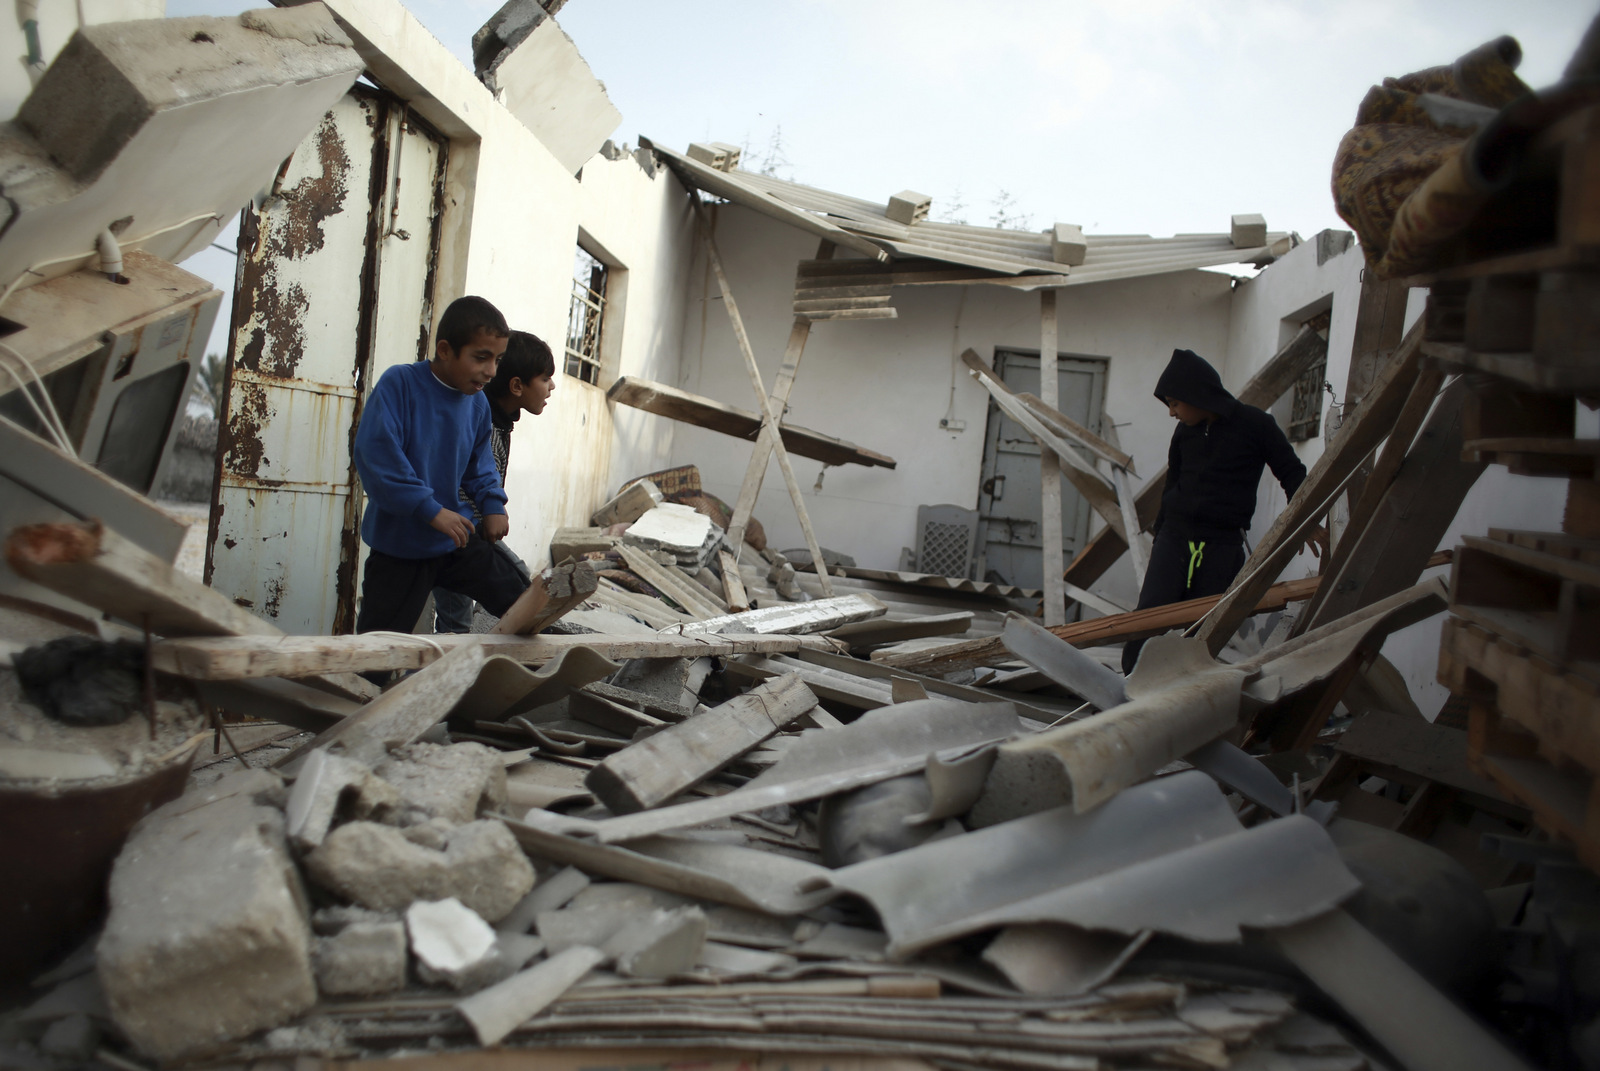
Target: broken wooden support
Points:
x,y
550,594
770,418
671,582
1132,530
1117,628
793,617
732,583
246,657
93,564
1356,440
1070,429
652,771
680,405
630,503
1265,387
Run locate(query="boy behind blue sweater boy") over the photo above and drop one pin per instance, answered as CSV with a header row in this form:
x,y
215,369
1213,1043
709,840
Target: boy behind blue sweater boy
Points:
x,y
424,433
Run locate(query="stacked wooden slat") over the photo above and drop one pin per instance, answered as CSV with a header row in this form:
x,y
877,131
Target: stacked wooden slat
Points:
x,y
1523,644
842,290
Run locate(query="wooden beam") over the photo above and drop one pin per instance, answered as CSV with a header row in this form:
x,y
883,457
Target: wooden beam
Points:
x,y
1053,547
550,595
682,590
94,565
1264,388
652,771
769,419
1068,428
1354,443
680,405
1132,530
249,657
1116,628
732,582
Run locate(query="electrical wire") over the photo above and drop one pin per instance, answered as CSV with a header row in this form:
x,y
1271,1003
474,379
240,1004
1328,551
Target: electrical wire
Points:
x,y
49,417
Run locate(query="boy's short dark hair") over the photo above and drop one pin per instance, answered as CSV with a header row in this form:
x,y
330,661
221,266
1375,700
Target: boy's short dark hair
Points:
x,y
466,316
527,358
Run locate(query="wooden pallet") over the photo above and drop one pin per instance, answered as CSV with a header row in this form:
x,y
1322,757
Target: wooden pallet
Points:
x,y
1547,603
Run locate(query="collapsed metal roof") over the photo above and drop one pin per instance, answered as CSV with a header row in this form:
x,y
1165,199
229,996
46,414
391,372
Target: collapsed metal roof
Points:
x,y
865,227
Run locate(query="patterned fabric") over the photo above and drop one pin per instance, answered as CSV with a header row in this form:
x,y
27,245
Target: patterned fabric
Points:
x,y
1398,178
500,446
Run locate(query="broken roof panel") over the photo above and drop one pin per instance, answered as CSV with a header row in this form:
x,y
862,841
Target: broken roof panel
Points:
x,y
861,225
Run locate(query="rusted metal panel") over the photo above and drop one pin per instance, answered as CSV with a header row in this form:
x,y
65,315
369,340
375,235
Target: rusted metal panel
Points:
x,y
334,280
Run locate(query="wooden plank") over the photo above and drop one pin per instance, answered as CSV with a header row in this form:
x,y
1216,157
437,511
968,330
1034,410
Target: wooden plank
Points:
x,y
1068,428
1413,744
677,587
93,564
1388,552
1053,544
769,417
675,404
732,583
1131,529
550,594
652,771
248,657
1354,443
1263,389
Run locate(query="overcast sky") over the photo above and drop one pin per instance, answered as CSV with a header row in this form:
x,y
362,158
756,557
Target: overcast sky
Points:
x,y
1122,116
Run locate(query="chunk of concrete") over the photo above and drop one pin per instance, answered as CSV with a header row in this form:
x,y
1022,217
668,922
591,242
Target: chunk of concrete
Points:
x,y
630,504
377,867
1067,244
455,782
660,944
674,682
328,784
1248,231
363,959
208,938
450,940
908,207
681,531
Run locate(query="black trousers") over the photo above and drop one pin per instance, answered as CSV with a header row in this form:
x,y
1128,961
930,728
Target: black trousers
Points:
x,y
394,590
1185,565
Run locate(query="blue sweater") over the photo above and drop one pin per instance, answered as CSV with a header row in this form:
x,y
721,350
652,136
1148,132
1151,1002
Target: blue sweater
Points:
x,y
419,441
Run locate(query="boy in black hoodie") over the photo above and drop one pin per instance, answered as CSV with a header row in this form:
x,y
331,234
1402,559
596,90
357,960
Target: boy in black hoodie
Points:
x,y
1213,469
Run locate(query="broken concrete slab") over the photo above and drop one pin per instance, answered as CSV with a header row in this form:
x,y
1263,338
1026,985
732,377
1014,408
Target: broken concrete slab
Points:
x,y
456,782
208,938
452,942
500,1009
362,959
327,783
377,867
660,944
674,682
681,531
801,618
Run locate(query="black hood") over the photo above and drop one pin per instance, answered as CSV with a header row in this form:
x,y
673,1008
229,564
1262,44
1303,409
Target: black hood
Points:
x,y
1190,378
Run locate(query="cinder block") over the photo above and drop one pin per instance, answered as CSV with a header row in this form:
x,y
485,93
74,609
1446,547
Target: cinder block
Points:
x,y
208,938
1249,231
909,206
1067,245
716,154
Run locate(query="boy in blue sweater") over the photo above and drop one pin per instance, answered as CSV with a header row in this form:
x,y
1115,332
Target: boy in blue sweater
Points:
x,y
424,434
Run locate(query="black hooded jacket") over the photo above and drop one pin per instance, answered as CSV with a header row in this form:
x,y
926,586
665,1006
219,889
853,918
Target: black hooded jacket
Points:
x,y
1214,468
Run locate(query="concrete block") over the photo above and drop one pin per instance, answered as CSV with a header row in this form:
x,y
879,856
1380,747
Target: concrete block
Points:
x,y
909,206
660,944
456,782
630,504
1067,244
715,154
328,784
161,120
681,531
450,940
362,959
377,867
1249,231
208,938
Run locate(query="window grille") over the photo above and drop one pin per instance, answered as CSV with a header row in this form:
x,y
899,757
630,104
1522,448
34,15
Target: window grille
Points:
x,y
587,317
1305,417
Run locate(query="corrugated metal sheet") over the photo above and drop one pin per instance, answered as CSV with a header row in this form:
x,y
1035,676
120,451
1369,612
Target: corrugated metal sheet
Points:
x,y
1111,256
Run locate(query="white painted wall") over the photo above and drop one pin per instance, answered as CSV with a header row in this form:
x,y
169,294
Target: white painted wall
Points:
x,y
58,19
885,384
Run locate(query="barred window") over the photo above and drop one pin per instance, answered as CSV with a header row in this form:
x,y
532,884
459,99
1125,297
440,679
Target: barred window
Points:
x,y
587,317
1305,413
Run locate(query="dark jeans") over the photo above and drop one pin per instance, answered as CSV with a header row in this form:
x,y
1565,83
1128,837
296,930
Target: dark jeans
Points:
x,y
452,612
1169,578
394,590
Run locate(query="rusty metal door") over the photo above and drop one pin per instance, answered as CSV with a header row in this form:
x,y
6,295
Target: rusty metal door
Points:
x,y
329,266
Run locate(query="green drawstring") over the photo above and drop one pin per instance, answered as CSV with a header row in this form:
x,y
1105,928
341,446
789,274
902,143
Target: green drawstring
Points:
x,y
1197,553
